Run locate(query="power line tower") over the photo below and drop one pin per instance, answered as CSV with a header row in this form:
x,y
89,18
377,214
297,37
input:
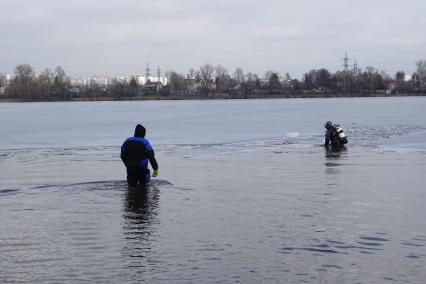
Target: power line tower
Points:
x,y
346,74
355,66
346,61
147,72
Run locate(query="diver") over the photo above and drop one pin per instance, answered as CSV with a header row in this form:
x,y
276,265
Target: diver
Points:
x,y
334,136
136,151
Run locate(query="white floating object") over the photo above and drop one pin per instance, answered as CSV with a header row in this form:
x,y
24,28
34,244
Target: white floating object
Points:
x,y
292,134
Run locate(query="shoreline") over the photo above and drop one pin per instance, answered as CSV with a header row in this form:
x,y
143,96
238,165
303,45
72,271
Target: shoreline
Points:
x,y
214,97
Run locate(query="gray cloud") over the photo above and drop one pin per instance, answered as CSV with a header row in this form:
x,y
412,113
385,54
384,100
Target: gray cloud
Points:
x,y
118,37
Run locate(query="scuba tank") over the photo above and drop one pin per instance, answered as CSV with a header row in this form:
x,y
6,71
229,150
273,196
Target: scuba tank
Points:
x,y
342,136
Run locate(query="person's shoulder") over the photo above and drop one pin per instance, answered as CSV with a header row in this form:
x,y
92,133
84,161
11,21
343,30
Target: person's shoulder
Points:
x,y
128,139
147,144
142,140
138,139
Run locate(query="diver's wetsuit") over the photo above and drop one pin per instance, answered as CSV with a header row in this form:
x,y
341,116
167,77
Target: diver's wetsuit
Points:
x,y
135,154
332,137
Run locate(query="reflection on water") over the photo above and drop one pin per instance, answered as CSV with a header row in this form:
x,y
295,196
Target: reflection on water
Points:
x,y
333,159
140,221
335,153
141,203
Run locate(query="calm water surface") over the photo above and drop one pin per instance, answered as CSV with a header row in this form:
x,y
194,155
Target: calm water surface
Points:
x,y
246,193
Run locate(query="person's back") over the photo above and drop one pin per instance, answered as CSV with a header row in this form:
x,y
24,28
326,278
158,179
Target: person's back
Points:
x,y
136,151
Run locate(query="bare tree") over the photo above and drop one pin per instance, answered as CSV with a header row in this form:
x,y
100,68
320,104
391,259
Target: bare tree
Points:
x,y
2,80
45,84
239,76
23,83
274,84
222,78
94,91
252,77
176,83
253,82
118,89
133,86
197,76
220,70
399,78
421,73
191,73
287,76
206,73
372,79
61,84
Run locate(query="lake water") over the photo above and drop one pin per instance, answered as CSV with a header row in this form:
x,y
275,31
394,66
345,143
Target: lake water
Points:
x,y
246,192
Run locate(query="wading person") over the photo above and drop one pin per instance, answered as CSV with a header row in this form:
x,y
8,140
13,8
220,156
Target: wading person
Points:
x,y
136,151
334,135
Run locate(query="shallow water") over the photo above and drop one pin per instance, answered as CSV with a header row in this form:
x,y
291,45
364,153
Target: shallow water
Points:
x,y
240,197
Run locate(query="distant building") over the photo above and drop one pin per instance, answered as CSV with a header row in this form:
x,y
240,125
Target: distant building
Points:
x,y
124,79
202,87
152,88
75,91
191,86
103,81
143,79
80,81
4,81
391,85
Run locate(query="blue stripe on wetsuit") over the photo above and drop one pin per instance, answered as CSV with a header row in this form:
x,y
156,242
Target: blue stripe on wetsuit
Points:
x,y
148,147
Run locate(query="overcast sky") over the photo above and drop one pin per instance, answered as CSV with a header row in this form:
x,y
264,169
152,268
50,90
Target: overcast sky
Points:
x,y
118,37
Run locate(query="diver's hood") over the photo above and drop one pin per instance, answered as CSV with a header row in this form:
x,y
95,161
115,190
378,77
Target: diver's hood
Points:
x,y
140,131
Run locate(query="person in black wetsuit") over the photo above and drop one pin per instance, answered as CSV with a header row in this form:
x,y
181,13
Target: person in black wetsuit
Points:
x,y
136,151
334,136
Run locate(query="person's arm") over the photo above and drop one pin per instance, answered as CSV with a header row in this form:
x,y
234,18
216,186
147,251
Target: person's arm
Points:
x,y
151,157
327,139
152,160
123,153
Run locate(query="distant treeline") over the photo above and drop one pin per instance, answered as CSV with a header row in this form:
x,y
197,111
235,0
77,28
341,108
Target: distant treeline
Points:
x,y
48,85
214,81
